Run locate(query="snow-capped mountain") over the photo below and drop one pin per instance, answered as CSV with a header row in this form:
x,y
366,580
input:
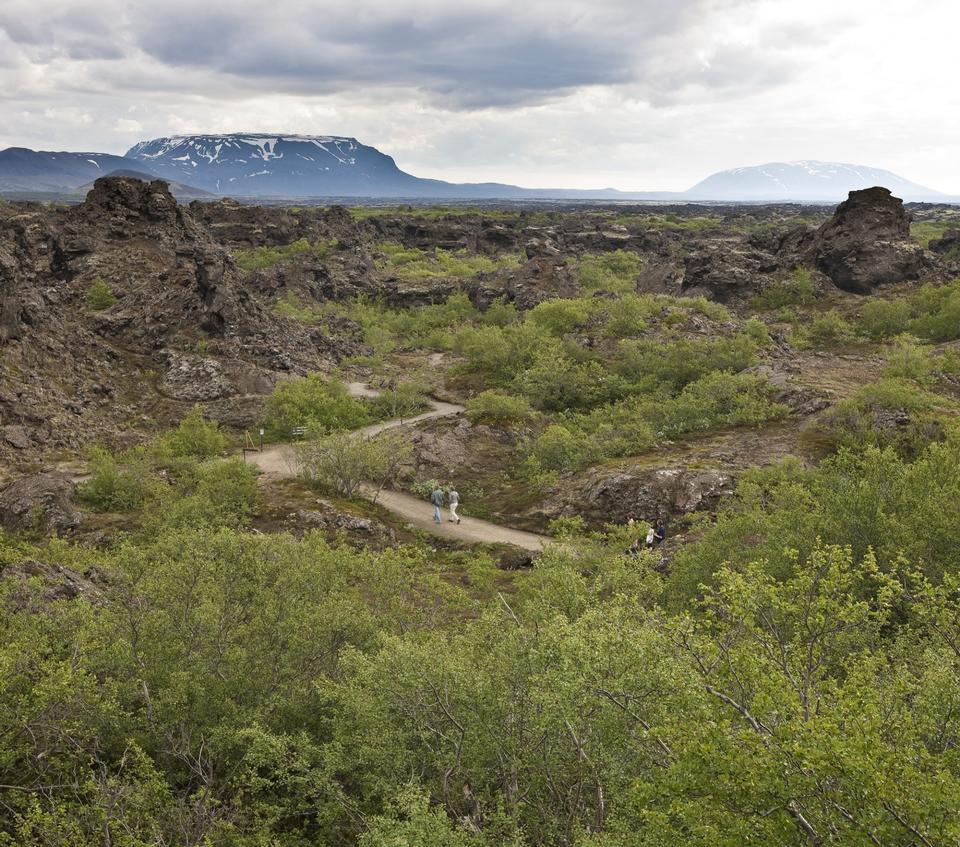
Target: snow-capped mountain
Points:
x,y
261,165
41,170
808,181
284,165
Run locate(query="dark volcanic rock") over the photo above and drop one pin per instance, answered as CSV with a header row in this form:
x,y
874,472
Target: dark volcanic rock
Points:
x,y
867,243
58,583
726,272
947,243
67,371
39,502
644,494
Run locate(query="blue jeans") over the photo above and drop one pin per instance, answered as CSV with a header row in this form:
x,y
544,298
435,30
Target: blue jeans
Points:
x,y
436,513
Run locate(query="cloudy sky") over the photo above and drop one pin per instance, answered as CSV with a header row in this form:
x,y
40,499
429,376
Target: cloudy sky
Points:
x,y
635,94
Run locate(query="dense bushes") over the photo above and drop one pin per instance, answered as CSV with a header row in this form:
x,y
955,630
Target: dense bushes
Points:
x,y
615,272
932,312
178,479
796,290
635,425
870,499
312,401
495,407
265,257
324,695
413,263
343,461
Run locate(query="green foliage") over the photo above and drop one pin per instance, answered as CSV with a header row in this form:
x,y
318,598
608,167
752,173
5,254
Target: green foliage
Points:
x,y
413,263
100,295
635,425
927,231
937,312
558,317
211,494
313,401
830,328
403,400
932,312
258,258
658,367
194,436
115,486
498,408
871,499
342,462
615,272
884,318
797,290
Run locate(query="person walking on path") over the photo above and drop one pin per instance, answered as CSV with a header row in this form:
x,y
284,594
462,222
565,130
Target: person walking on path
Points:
x,y
454,503
437,499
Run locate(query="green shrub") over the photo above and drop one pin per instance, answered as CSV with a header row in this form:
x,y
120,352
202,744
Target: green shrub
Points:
x,y
939,318
560,316
403,401
910,360
100,296
931,312
215,493
413,263
884,318
115,486
343,461
714,401
616,272
194,436
665,367
830,328
312,401
559,448
265,257
630,314
891,412
498,408
289,307
798,290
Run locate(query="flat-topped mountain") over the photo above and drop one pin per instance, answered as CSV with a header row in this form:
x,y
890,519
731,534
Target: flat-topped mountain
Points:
x,y
264,165
287,165
805,181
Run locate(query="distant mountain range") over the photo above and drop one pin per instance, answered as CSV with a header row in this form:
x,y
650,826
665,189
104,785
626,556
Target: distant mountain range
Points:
x,y
264,165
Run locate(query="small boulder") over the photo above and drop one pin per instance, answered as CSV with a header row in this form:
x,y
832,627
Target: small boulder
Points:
x,y
58,583
39,502
947,243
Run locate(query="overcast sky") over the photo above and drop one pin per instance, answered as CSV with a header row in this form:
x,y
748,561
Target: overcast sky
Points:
x,y
634,94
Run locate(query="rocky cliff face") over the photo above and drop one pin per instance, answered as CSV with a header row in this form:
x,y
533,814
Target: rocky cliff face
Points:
x,y
185,325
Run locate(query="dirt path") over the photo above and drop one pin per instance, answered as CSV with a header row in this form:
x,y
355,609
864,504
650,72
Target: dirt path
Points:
x,y
280,461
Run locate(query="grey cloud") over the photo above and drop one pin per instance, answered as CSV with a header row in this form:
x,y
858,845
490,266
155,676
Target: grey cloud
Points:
x,y
472,55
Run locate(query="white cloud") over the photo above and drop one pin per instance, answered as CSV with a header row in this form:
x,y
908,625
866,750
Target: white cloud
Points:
x,y
127,126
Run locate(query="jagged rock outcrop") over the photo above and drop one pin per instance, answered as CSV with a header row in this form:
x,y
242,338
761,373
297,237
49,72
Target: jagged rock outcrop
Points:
x,y
640,493
39,502
726,272
867,243
69,372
